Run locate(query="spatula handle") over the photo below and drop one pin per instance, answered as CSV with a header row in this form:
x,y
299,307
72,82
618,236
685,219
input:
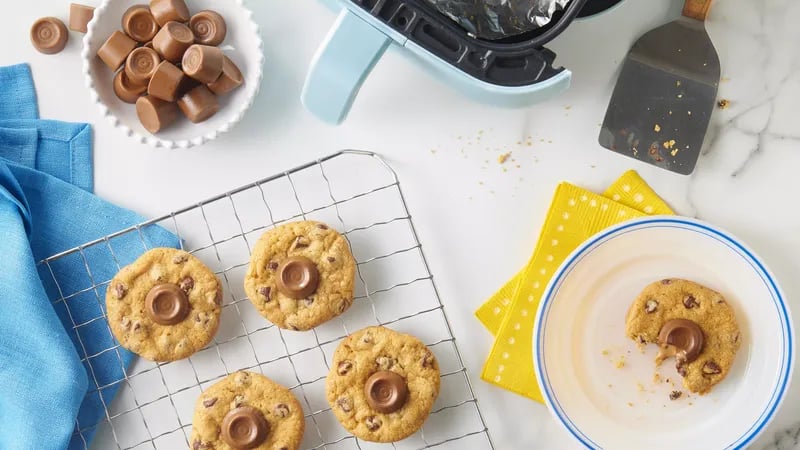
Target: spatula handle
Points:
x,y
697,9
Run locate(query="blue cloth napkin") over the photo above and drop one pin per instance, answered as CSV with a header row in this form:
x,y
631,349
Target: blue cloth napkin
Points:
x,y
57,374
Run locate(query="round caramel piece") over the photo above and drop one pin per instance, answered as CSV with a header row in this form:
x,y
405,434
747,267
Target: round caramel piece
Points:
x,y
685,336
172,40
116,49
125,90
155,114
79,17
230,79
167,304
386,391
169,10
166,82
298,277
198,104
139,24
203,63
208,27
49,35
141,65
244,428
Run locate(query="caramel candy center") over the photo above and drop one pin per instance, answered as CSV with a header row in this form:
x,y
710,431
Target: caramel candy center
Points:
x,y
386,391
167,304
49,35
244,428
682,337
298,277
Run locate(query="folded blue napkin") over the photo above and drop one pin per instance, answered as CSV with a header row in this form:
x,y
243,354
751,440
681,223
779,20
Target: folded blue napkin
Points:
x,y
57,374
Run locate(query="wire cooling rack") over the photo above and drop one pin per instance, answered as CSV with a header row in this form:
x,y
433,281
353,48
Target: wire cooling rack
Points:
x,y
357,193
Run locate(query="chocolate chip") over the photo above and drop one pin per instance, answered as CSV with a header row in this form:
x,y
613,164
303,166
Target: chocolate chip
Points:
x,y
428,360
308,301
281,410
674,395
384,362
641,339
322,226
345,404
186,285
120,290
344,367
180,258
273,265
711,368
136,326
650,306
373,423
331,259
210,402
666,281
690,302
265,291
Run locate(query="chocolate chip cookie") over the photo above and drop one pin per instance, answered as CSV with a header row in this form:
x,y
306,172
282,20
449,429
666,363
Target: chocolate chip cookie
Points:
x,y
382,384
301,274
691,322
165,305
247,410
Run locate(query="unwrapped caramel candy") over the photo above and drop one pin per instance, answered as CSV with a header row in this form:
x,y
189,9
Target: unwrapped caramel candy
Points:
x,y
116,49
139,24
49,35
166,82
172,40
230,79
169,10
125,90
155,114
79,17
199,104
141,65
208,27
203,63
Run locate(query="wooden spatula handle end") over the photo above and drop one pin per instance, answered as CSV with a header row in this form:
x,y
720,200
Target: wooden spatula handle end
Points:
x,y
697,9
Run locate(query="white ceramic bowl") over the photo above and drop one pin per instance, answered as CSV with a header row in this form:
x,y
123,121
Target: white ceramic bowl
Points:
x,y
242,44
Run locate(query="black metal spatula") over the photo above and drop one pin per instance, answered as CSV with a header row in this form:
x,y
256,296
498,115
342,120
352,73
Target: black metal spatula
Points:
x,y
662,103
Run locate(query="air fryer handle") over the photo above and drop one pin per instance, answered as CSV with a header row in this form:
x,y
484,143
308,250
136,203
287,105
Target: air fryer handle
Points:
x,y
341,65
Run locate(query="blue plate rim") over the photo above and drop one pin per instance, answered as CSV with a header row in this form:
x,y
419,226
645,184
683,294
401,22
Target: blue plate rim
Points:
x,y
685,223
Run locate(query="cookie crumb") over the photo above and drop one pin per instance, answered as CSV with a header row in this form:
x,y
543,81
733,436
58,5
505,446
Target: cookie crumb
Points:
x,y
610,385
503,158
669,144
674,395
674,151
630,404
620,363
723,103
604,352
656,378
657,128
640,387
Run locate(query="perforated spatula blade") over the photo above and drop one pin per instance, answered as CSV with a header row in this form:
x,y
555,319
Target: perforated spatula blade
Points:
x,y
663,100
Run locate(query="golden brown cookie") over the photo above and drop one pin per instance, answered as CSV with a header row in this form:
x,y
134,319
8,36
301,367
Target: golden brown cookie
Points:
x,y
165,305
382,384
247,410
691,322
301,274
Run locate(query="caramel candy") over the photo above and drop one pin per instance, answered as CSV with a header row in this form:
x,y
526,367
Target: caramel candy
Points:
x,y
166,82
141,65
139,24
298,277
155,114
198,104
172,40
166,303
125,90
208,27
230,79
244,428
49,35
116,49
203,63
386,391
169,10
682,338
79,17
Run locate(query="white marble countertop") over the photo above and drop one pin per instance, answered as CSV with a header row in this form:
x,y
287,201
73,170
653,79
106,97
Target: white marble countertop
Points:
x,y
478,222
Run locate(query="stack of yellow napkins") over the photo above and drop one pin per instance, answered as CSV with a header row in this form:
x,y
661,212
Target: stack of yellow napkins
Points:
x,y
575,215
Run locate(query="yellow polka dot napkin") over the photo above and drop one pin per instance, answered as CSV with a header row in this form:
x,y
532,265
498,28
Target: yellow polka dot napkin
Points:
x,y
575,215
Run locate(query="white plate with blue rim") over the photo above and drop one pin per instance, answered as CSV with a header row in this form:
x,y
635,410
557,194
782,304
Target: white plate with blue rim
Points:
x,y
604,390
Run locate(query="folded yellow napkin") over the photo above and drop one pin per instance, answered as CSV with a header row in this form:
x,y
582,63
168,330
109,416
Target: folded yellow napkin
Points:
x,y
575,215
